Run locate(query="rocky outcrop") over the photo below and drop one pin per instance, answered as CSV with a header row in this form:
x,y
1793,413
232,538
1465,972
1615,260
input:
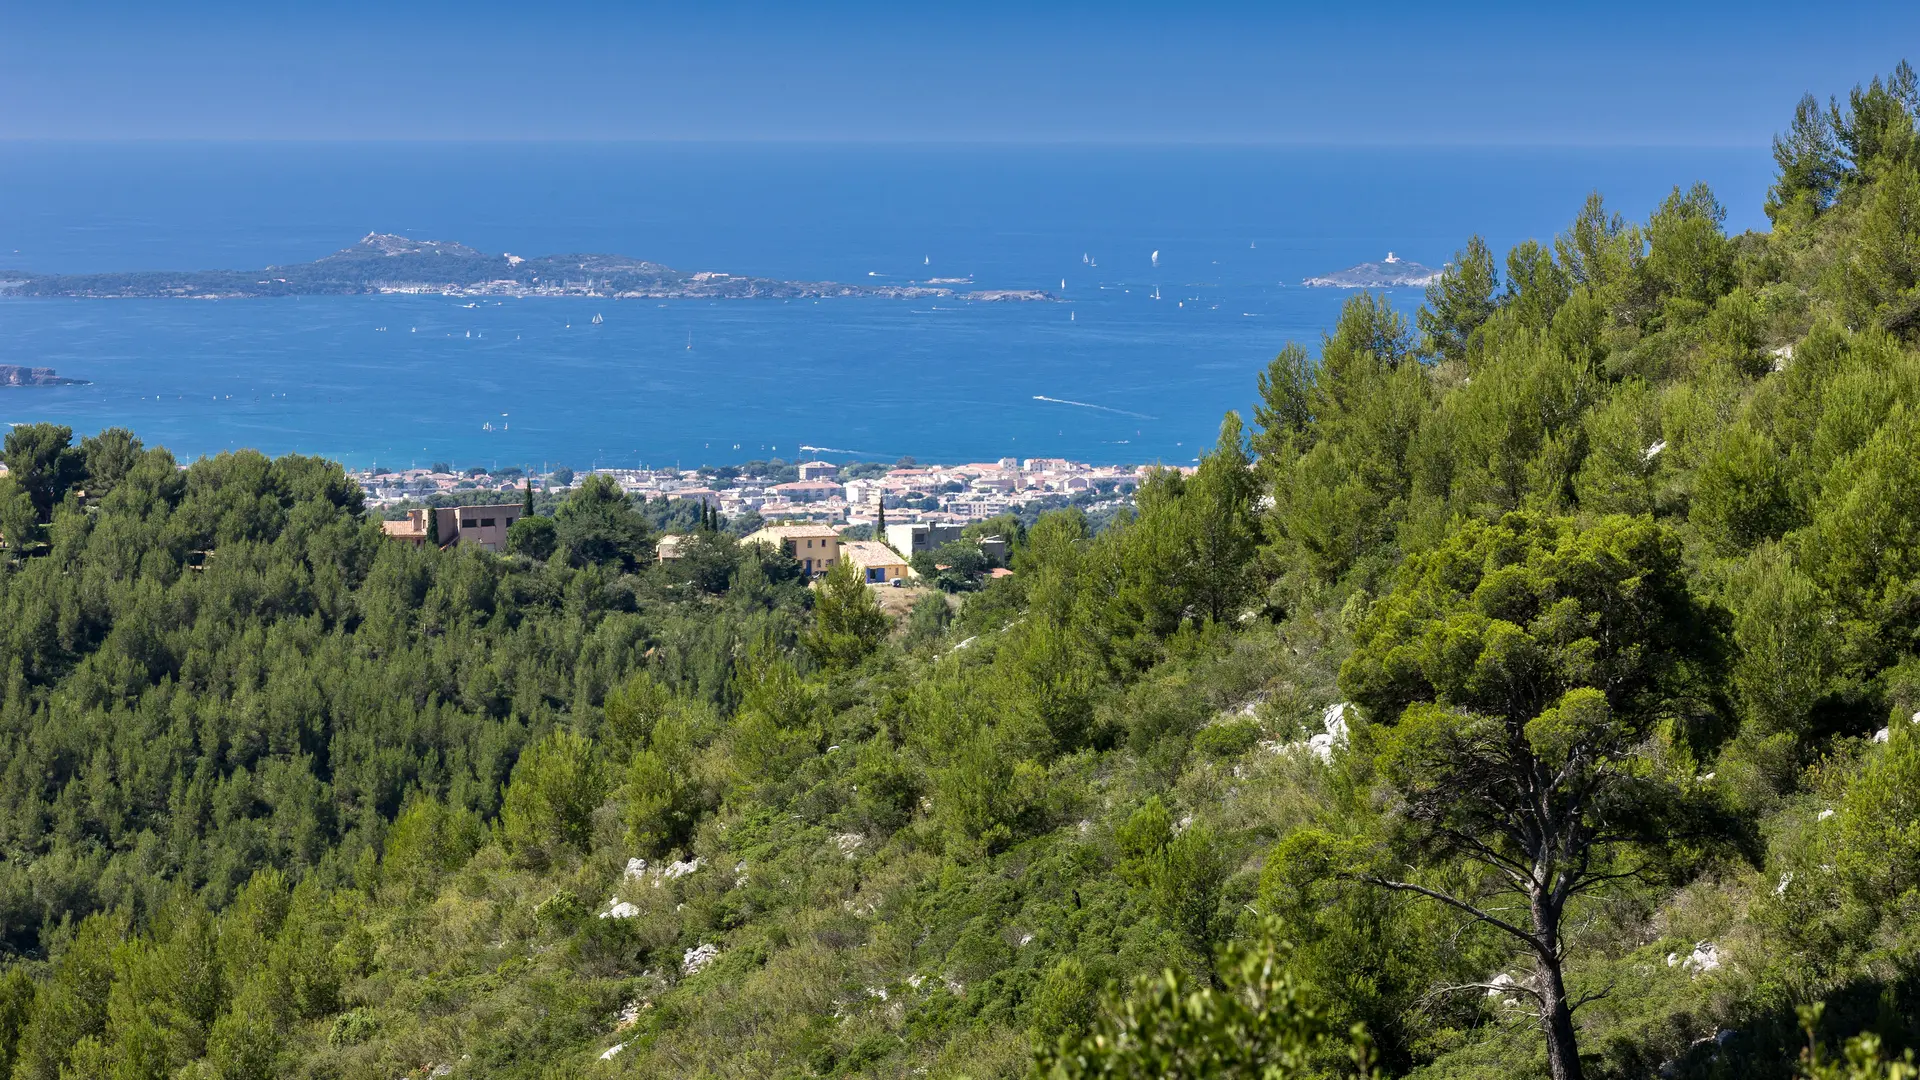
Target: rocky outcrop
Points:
x,y
14,375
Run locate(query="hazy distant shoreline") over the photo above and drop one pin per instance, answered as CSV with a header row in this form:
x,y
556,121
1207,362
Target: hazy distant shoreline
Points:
x,y
384,264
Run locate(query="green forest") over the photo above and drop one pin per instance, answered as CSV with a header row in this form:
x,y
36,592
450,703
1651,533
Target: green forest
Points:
x,y
1527,689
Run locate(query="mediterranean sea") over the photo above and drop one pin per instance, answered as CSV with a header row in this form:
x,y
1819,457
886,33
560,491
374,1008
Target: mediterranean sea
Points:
x,y
1137,363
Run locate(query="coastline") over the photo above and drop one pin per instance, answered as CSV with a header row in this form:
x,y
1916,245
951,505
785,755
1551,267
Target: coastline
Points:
x,y
382,264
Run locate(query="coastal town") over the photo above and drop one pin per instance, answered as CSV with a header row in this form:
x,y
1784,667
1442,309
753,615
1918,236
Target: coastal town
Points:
x,y
811,492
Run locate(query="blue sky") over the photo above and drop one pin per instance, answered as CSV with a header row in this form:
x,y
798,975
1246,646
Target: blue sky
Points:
x,y
1362,74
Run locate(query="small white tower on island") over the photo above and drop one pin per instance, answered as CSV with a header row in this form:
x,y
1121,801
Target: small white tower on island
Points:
x,y
1391,259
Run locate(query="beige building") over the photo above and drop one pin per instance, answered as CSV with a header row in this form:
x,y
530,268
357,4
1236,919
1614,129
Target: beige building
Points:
x,y
817,547
803,491
668,547
483,525
412,528
878,564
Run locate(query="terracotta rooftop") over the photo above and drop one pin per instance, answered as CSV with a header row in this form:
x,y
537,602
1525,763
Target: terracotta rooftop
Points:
x,y
870,553
798,532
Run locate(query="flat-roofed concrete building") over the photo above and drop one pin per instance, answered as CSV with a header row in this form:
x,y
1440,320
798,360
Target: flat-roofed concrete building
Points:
x,y
483,525
910,538
995,549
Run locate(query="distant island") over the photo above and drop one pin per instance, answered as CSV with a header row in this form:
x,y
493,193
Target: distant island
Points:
x,y
15,375
1391,273
382,263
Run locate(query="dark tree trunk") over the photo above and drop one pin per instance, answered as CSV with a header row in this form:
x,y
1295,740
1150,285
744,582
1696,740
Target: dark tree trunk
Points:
x,y
1556,1012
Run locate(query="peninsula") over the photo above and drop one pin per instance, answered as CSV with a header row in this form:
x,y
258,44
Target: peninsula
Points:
x,y
1391,272
384,263
15,375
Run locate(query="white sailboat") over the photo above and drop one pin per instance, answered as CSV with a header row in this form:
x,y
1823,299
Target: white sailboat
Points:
x,y
1156,257
1156,292
689,340
598,318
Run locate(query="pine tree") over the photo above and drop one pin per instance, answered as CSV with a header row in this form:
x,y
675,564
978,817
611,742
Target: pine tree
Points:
x,y
1545,771
1285,410
1222,535
1459,301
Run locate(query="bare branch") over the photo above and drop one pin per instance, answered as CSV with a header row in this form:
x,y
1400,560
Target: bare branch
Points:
x,y
1461,905
1586,881
1592,995
1426,1002
1490,988
1515,871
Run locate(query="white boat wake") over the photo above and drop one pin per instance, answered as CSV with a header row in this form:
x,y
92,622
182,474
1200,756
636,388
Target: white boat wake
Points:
x,y
837,450
1088,405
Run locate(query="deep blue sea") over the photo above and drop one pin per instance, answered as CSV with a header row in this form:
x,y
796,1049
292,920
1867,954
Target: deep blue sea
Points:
x,y
1137,379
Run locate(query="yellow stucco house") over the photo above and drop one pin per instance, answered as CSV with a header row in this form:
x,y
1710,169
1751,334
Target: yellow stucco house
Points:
x,y
817,547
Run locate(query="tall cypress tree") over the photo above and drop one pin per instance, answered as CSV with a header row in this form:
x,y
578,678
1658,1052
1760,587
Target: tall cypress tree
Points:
x,y
879,520
433,526
527,507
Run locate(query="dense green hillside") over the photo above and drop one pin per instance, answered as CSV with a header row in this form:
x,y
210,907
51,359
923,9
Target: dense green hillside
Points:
x,y
1532,690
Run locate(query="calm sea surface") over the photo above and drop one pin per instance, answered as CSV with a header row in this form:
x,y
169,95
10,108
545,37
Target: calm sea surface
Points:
x,y
1134,378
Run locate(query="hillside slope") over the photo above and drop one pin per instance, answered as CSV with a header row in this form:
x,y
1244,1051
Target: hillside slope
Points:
x,y
1529,691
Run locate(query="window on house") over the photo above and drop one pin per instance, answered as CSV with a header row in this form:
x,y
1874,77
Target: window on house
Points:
x,y
469,523
486,523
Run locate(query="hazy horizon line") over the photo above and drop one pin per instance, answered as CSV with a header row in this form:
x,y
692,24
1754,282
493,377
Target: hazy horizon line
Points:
x,y
868,142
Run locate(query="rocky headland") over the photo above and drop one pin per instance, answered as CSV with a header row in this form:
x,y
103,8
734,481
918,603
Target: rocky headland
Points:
x,y
382,263
15,375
